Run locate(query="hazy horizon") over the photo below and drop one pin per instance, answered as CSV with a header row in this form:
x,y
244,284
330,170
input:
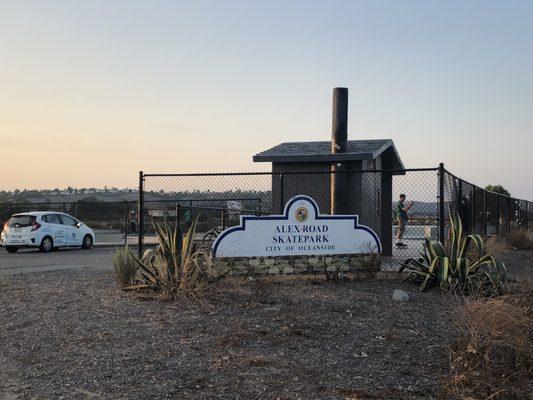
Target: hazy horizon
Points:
x,y
91,93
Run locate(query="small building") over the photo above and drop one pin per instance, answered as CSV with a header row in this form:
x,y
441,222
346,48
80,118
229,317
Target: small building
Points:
x,y
328,172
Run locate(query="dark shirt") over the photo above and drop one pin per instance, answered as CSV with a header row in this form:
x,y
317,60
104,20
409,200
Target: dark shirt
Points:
x,y
400,209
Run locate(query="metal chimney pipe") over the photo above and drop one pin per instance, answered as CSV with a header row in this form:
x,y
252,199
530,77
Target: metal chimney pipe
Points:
x,y
339,132
339,139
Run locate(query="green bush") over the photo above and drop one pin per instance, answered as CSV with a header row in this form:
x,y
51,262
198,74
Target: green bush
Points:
x,y
463,267
125,267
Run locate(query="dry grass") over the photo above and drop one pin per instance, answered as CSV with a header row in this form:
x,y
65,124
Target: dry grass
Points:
x,y
492,358
125,266
520,240
497,246
515,240
262,290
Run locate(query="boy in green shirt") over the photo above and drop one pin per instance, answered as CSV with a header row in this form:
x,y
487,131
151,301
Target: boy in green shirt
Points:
x,y
401,212
188,218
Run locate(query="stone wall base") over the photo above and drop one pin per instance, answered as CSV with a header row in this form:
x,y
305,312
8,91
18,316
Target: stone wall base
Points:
x,y
368,263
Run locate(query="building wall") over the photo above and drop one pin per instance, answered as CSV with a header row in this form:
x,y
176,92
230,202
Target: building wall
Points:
x,y
364,191
316,186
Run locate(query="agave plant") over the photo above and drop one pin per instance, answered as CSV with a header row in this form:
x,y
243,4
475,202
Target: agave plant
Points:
x,y
174,266
463,267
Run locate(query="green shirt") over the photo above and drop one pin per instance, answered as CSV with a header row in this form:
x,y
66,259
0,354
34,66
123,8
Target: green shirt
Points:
x,y
400,211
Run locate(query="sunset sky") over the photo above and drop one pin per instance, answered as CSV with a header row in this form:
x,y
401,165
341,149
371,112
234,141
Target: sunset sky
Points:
x,y
93,92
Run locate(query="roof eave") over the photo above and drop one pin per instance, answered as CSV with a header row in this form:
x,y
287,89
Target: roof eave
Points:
x,y
314,157
385,146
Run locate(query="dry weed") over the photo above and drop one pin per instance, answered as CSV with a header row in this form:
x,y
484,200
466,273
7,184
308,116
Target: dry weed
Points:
x,y
520,239
492,357
262,291
497,246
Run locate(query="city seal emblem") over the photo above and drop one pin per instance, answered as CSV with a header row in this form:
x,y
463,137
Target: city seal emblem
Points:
x,y
301,214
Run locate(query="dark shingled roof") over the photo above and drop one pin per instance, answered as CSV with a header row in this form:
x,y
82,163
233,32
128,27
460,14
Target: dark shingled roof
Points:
x,y
321,151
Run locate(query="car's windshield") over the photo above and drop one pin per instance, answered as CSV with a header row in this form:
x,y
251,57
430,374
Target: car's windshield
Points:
x,y
21,221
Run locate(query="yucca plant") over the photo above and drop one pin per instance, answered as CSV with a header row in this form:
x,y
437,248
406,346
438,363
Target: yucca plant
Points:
x,y
174,267
463,267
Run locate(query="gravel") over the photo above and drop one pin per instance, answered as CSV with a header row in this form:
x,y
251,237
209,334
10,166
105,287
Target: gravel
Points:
x,y
75,335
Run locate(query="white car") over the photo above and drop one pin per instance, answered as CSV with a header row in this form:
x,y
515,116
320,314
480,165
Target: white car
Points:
x,y
46,230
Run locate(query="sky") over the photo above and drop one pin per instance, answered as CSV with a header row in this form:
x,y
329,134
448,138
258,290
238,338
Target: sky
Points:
x,y
93,92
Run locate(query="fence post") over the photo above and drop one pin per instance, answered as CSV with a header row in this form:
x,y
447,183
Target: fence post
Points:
x,y
508,214
497,214
281,194
64,208
460,203
178,216
485,230
140,215
474,230
223,219
441,203
125,223
527,216
10,209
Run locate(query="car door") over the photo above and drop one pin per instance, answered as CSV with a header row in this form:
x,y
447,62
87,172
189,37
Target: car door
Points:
x,y
55,228
71,230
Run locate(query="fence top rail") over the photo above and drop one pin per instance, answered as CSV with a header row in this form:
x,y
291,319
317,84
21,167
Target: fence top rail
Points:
x,y
485,190
258,199
393,171
240,211
59,203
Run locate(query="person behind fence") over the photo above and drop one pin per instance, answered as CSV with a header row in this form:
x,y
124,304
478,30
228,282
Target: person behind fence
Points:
x,y
188,218
402,217
133,222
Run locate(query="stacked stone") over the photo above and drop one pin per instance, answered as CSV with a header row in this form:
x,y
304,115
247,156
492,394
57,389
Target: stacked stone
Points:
x,y
296,264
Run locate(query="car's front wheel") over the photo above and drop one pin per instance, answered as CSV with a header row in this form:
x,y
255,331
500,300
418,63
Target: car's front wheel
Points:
x,y
87,242
47,244
12,249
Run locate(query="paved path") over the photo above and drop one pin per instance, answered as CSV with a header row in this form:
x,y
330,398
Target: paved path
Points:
x,y
28,261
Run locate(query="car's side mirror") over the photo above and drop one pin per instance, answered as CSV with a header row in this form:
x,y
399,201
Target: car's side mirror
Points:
x,y
78,224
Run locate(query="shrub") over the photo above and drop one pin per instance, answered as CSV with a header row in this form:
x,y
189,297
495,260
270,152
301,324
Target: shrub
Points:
x,y
498,189
520,240
497,246
174,267
463,267
492,356
125,266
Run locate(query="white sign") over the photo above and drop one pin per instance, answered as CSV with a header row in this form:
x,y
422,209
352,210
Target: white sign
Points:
x,y
301,230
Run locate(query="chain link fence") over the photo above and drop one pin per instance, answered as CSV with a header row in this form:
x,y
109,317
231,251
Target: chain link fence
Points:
x,y
218,200
113,222
483,212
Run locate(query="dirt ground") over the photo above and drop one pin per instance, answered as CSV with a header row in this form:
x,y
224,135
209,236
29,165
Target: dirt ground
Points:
x,y
74,335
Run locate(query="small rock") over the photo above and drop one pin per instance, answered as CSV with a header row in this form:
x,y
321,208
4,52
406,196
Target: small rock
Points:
x,y
400,295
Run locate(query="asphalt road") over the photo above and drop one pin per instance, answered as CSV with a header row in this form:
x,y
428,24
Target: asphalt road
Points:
x,y
30,261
